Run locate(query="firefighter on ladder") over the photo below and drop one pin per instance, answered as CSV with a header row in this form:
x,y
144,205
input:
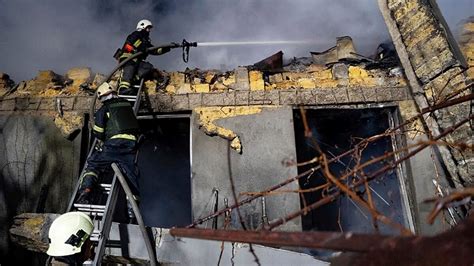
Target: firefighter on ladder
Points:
x,y
135,69
116,125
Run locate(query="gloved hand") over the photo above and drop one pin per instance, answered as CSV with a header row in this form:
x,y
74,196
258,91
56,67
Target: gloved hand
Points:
x,y
99,145
161,51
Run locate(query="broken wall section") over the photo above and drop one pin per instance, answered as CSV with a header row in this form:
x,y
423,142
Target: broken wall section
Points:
x,y
38,169
437,72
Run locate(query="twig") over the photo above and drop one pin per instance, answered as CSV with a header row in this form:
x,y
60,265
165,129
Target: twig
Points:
x,y
442,203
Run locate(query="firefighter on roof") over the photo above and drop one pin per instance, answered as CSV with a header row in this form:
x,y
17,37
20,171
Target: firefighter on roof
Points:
x,y
137,41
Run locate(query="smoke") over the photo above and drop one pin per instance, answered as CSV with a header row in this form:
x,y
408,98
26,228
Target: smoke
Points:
x,y
58,35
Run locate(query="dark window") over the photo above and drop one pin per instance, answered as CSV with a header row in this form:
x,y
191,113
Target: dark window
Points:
x,y
335,131
165,177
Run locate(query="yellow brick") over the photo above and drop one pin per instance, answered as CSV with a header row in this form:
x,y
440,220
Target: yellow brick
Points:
x,y
415,21
306,83
294,76
170,89
470,72
258,85
218,86
209,77
326,83
150,86
229,81
201,88
421,35
208,116
323,74
256,81
408,110
469,27
270,87
255,75
286,85
357,72
403,10
177,78
275,78
184,88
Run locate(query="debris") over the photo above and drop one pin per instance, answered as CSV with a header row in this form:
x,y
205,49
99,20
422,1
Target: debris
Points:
x,y
70,124
272,62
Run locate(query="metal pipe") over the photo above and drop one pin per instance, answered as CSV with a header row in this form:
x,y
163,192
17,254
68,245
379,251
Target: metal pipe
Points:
x,y
138,215
216,207
264,212
318,240
249,199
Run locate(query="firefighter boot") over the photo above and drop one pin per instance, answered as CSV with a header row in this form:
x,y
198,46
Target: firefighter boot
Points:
x,y
84,196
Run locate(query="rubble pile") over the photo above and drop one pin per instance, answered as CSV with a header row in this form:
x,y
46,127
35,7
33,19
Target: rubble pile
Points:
x,y
336,67
466,42
6,84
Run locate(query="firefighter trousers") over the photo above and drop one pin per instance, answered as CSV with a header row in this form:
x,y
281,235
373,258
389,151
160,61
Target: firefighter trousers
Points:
x,y
132,72
120,151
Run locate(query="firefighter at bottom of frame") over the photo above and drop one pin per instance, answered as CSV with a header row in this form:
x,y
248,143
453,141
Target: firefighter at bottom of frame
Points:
x,y
69,238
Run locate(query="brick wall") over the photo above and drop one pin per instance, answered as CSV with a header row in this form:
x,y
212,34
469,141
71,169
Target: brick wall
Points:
x,y
436,70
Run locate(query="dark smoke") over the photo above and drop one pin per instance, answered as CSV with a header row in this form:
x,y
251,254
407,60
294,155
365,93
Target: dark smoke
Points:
x,y
58,35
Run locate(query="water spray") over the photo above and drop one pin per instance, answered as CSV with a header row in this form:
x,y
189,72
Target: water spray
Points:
x,y
186,45
299,42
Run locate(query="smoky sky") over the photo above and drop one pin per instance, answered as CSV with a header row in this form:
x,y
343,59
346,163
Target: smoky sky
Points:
x,y
61,34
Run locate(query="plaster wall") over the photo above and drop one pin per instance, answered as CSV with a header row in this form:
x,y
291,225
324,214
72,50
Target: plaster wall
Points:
x,y
267,139
38,168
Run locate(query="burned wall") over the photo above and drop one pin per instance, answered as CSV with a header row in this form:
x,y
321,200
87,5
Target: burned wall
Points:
x,y
38,168
268,140
437,71
64,99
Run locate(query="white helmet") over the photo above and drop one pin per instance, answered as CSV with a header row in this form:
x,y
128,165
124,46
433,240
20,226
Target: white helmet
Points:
x,y
104,89
68,232
143,24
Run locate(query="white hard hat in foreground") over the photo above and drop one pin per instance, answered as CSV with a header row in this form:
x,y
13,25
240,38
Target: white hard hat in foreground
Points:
x,y
68,232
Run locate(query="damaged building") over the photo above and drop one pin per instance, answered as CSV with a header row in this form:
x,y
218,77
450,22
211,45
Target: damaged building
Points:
x,y
336,141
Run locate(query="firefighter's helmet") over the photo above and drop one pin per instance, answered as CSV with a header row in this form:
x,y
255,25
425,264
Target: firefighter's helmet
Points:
x,y
68,233
104,89
143,24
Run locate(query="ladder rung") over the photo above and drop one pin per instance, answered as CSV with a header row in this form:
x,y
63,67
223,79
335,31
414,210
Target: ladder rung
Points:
x,y
93,213
90,206
128,97
95,235
106,187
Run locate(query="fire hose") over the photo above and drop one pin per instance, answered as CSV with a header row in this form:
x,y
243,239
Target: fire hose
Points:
x,y
186,46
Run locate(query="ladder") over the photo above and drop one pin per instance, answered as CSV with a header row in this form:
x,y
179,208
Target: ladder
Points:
x,y
101,212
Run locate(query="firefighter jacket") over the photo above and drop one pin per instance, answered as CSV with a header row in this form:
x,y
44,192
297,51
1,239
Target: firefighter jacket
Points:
x,y
115,119
139,41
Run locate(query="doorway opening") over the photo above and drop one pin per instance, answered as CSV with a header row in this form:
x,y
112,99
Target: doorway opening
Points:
x,y
165,172
336,131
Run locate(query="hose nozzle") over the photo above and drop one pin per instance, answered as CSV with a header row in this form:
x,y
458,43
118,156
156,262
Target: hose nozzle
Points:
x,y
189,44
185,44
